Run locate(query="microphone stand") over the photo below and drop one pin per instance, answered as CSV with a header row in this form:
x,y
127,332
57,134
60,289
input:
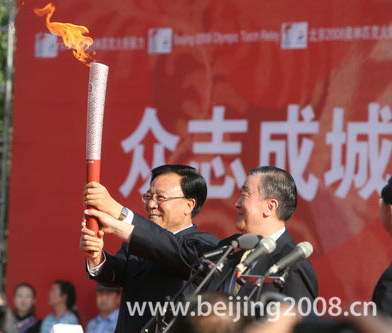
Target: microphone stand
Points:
x,y
205,280
258,285
154,321
281,280
278,281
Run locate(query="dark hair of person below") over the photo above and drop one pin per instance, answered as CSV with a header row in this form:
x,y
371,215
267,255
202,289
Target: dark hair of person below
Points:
x,y
278,184
386,192
212,323
193,185
27,285
68,289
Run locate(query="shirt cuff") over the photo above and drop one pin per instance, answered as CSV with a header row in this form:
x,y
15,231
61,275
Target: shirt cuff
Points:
x,y
129,218
96,270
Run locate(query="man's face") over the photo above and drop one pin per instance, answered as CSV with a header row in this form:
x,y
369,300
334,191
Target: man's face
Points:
x,y
171,214
250,206
107,301
386,215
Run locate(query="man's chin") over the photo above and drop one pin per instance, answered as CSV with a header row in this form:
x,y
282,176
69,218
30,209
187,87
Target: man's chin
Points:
x,y
159,222
240,225
155,220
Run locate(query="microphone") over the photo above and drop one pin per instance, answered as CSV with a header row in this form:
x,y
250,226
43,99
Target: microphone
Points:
x,y
215,253
266,245
302,250
246,242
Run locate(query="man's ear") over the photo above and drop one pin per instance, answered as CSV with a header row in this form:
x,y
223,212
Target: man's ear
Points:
x,y
191,203
272,205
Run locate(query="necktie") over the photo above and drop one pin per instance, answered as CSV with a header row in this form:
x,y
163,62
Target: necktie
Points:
x,y
237,286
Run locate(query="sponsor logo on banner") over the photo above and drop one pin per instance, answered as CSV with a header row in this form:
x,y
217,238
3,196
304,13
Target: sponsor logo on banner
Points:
x,y
294,35
46,45
160,40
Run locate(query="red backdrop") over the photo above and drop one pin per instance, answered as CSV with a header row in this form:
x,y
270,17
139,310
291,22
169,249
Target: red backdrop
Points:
x,y
225,86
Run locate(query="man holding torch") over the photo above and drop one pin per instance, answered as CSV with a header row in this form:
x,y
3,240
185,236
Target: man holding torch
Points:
x,y
175,196
268,199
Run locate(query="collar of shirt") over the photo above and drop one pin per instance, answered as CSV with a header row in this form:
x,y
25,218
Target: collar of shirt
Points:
x,y
277,234
189,226
111,318
275,237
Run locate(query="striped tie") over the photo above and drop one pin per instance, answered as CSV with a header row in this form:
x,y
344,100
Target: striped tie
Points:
x,y
237,286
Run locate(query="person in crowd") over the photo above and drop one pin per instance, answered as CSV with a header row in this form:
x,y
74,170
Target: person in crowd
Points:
x,y
62,297
108,301
175,196
7,324
24,309
382,294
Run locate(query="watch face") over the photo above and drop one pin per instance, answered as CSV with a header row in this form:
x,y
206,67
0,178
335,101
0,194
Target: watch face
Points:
x,y
124,212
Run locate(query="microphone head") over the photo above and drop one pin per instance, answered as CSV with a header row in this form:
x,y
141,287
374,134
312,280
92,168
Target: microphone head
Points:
x,y
248,241
306,248
269,244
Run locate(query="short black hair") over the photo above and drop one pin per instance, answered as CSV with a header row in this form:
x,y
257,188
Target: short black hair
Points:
x,y
278,184
193,185
386,192
101,287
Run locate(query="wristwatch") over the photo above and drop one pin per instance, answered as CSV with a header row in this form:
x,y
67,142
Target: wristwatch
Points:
x,y
123,214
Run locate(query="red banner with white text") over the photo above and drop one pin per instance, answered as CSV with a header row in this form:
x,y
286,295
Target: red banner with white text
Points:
x,y
221,85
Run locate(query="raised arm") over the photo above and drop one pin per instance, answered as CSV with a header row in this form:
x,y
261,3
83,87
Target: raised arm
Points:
x,y
149,241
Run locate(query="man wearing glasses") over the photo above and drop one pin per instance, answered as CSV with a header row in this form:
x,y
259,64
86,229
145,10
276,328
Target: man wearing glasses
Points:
x,y
175,196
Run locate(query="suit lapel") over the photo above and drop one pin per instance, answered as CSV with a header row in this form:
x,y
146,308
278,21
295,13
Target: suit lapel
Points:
x,y
217,283
260,268
266,261
187,231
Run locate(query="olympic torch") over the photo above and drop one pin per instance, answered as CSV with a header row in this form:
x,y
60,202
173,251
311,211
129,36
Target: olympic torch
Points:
x,y
73,38
95,111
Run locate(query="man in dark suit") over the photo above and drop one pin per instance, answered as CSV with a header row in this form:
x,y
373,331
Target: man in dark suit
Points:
x,y
382,294
268,199
175,196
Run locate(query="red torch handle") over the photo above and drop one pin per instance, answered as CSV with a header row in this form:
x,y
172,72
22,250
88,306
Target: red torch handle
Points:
x,y
93,169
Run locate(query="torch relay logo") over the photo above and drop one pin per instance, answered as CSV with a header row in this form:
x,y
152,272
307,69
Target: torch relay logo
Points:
x,y
294,35
46,45
160,40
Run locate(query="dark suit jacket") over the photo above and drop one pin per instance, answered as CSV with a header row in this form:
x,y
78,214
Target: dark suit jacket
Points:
x,y
382,294
301,282
151,267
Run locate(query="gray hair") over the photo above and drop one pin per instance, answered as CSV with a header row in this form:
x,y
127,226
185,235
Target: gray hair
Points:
x,y
278,184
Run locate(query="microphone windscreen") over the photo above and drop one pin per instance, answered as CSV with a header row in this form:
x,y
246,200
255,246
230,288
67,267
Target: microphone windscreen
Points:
x,y
248,241
306,247
269,244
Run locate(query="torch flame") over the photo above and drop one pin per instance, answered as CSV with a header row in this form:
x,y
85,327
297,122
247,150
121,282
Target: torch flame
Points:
x,y
72,34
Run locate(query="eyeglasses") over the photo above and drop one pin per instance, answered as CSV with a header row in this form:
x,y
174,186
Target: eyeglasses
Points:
x,y
157,198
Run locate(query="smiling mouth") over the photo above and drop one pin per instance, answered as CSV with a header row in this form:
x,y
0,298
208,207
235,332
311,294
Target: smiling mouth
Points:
x,y
153,216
